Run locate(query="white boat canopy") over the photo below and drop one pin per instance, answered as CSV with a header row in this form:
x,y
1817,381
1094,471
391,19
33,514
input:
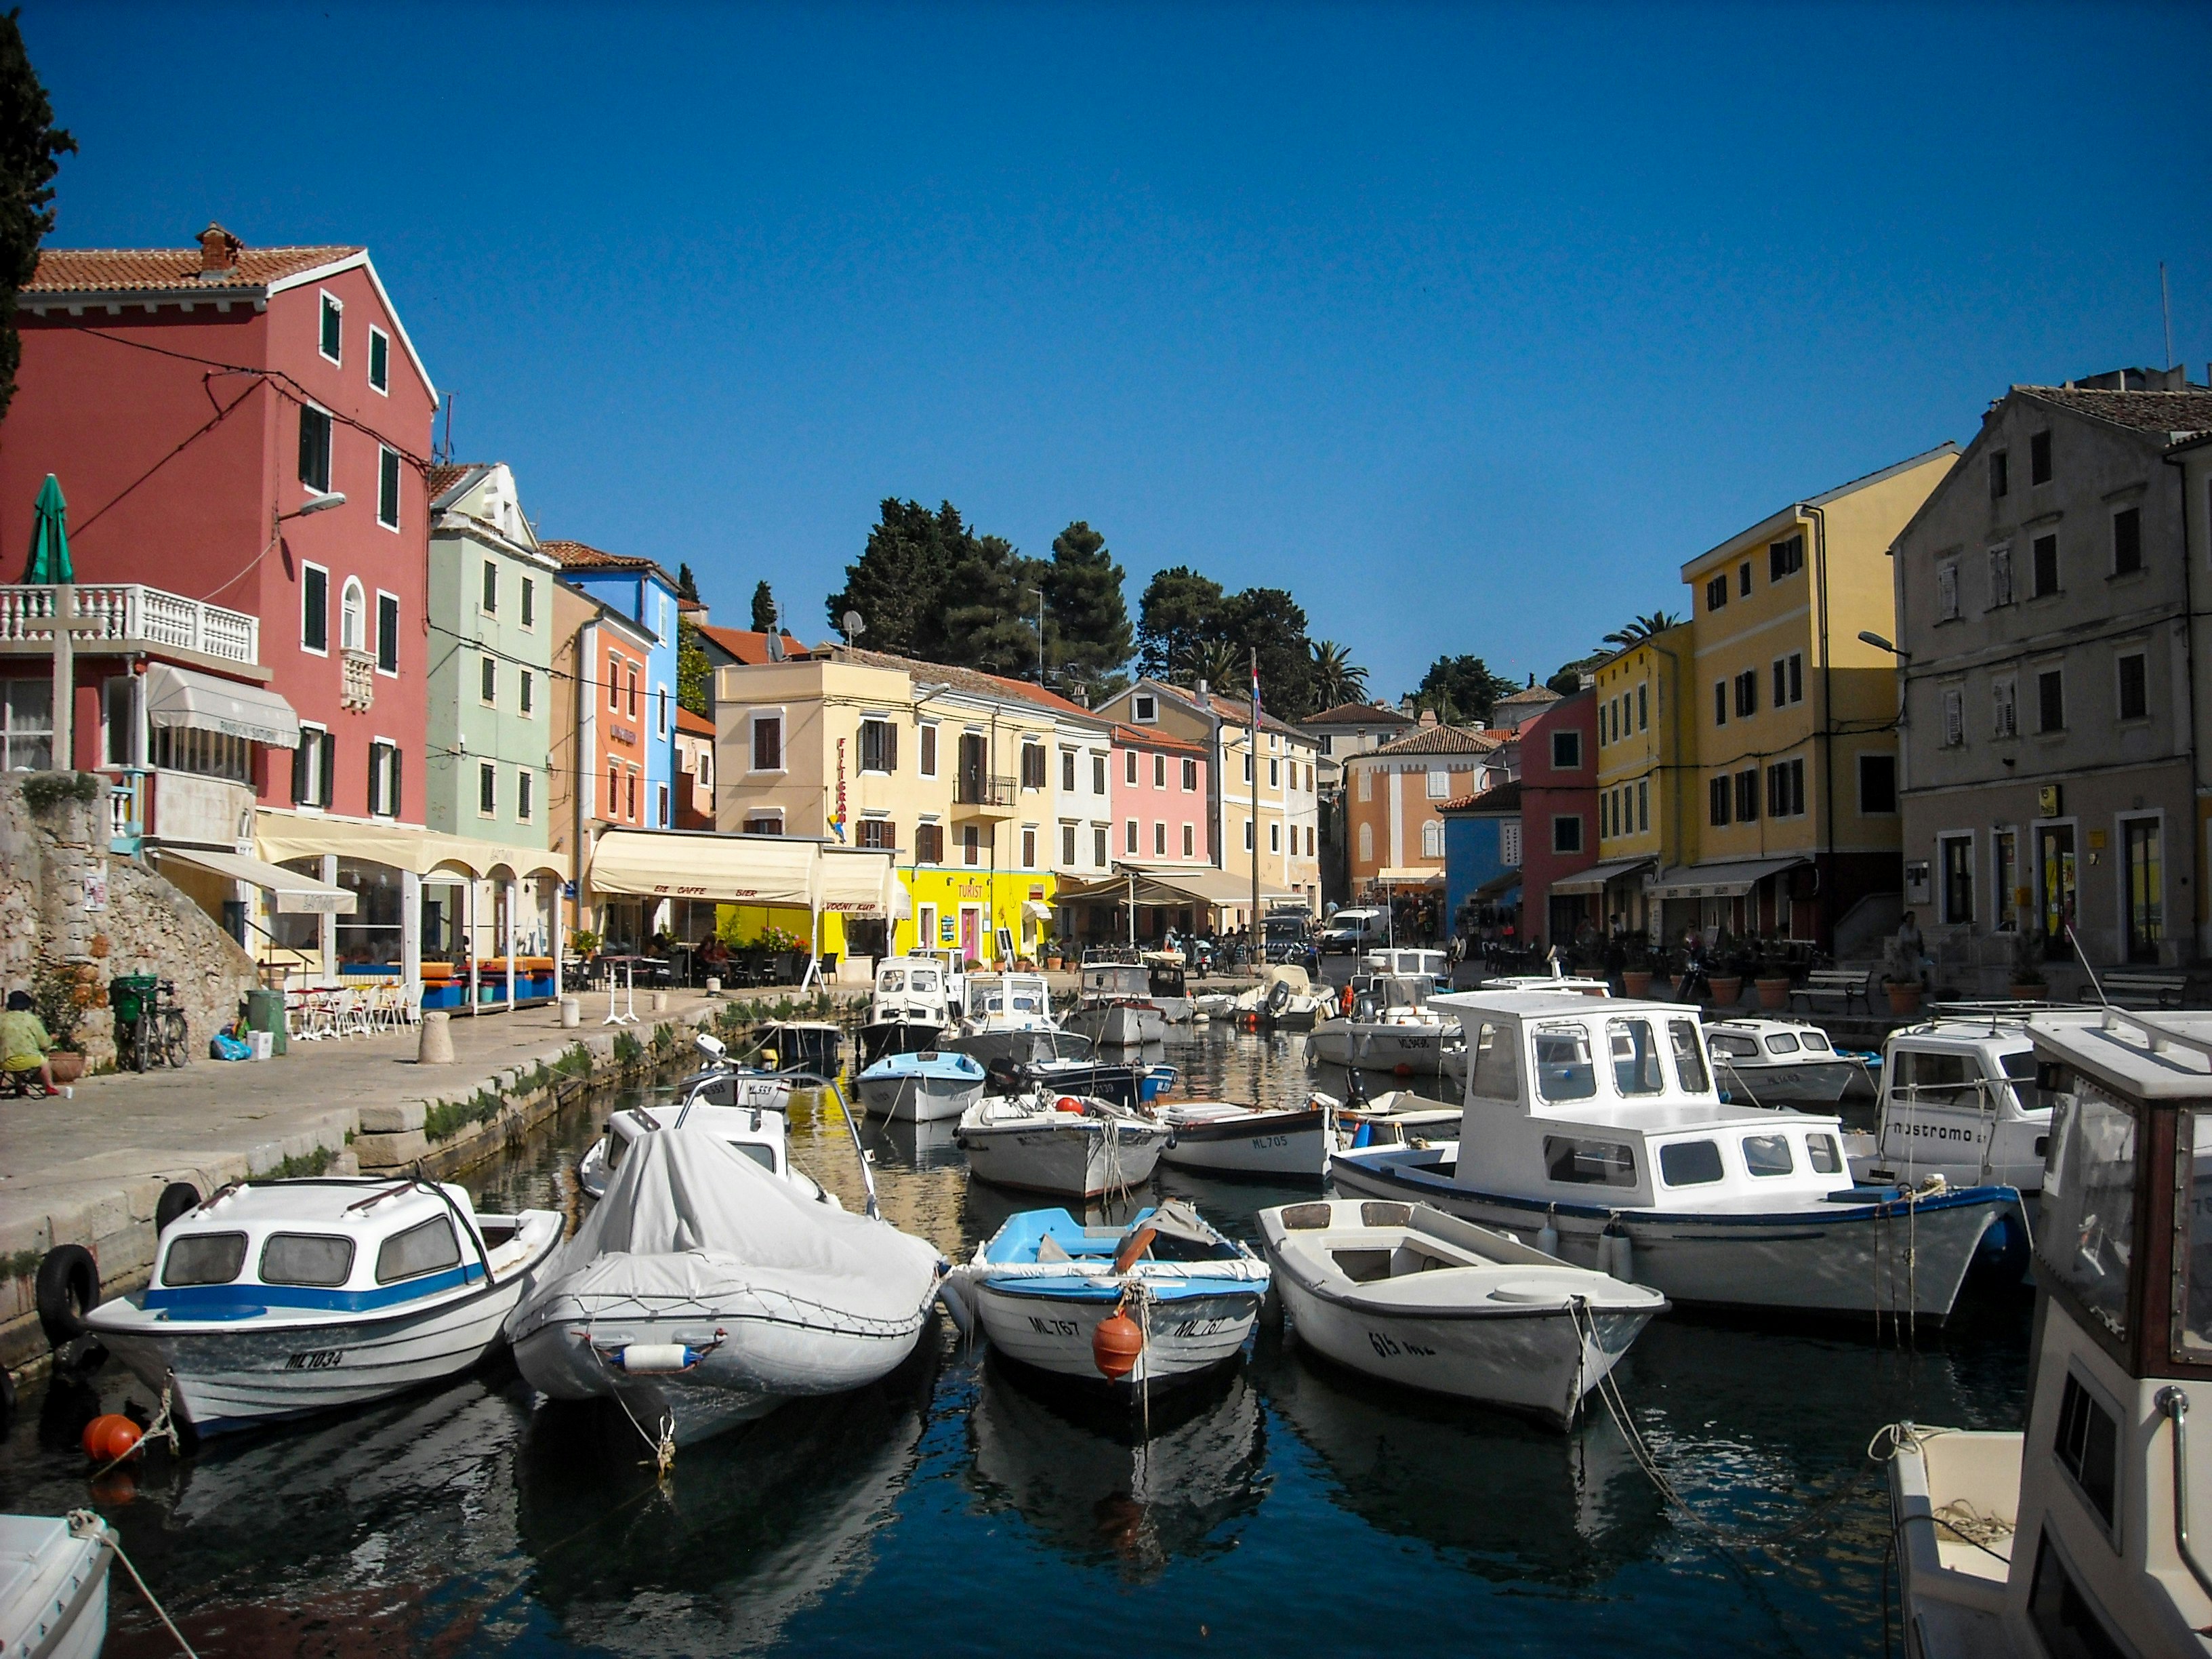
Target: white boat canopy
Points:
x,y
186,697
292,893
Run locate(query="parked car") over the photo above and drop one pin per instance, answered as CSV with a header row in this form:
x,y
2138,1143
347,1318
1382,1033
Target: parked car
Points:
x,y
1288,937
1351,932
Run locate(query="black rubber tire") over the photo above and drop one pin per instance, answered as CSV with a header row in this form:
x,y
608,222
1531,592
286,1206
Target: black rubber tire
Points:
x,y
67,1289
7,1396
177,1199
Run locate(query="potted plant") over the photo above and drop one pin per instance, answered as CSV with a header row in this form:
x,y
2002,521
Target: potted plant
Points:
x,y
1636,965
1730,963
1900,979
2027,982
1773,971
586,943
62,993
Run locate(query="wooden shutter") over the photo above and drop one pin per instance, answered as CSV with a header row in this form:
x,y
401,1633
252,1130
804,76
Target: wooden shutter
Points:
x,y
301,765
329,767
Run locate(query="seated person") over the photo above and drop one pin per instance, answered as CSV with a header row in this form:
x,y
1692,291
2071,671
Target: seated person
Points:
x,y
24,1041
714,953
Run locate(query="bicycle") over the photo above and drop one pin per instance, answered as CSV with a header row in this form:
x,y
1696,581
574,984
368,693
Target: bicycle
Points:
x,y
150,1028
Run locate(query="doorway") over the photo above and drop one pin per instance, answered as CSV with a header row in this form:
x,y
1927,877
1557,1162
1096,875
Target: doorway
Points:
x,y
971,934
2146,889
2054,863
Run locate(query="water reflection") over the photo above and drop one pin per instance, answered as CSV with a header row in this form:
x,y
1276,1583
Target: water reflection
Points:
x,y
1076,1466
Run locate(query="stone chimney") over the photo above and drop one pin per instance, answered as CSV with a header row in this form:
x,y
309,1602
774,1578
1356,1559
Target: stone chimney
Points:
x,y
218,252
1428,718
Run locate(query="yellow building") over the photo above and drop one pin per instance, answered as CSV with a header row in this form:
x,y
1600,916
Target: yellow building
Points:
x,y
1645,818
951,768
1790,770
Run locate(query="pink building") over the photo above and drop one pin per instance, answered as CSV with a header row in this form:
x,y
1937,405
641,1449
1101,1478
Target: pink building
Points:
x,y
1159,799
1558,816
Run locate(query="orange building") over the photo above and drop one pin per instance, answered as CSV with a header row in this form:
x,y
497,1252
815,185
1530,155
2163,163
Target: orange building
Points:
x,y
1394,798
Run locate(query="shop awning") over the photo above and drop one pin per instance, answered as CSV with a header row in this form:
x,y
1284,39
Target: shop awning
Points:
x,y
1599,877
292,893
281,837
183,696
1036,909
1200,884
858,882
1731,879
1408,875
1494,891
730,869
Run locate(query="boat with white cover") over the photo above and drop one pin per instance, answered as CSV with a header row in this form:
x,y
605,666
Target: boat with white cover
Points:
x,y
1222,1138
1598,1120
702,1291
1116,1008
758,1133
54,1584
920,1088
1778,1062
913,1004
2074,1537
1390,1028
1079,1145
1410,1295
275,1298
1042,1287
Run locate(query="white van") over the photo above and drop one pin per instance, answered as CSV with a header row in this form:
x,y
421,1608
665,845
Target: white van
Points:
x,y
1351,932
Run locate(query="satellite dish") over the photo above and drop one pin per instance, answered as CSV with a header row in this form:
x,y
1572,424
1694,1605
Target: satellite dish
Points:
x,y
856,625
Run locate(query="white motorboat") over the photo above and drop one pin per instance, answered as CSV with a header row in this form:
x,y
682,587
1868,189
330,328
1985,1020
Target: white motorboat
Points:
x,y
54,1584
1549,983
1959,1099
1390,1028
1396,1117
277,1298
913,1004
1778,1062
1007,1018
759,1133
1408,1294
1405,962
2073,1538
1166,973
1285,999
703,1290
922,1088
1079,1145
1180,1297
1224,1139
1598,1121
1116,1007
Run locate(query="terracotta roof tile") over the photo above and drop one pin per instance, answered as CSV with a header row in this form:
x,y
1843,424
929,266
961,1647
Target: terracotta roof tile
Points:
x,y
973,681
1437,740
1358,714
1151,736
697,725
128,270
2143,412
1504,798
748,646
444,475
1528,694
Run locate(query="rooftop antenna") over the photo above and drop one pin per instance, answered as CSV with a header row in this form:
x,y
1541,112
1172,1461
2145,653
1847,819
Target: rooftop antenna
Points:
x,y
775,633
856,625
447,455
2166,309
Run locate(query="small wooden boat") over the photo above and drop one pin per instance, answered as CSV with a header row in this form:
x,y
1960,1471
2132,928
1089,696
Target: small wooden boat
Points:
x,y
805,1045
1079,1145
1224,1139
1177,1296
1408,1294
922,1088
54,1584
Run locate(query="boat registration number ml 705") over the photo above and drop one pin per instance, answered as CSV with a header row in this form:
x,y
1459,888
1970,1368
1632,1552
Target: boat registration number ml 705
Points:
x,y
317,1359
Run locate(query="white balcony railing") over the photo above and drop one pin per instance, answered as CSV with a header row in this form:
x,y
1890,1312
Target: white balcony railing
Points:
x,y
130,613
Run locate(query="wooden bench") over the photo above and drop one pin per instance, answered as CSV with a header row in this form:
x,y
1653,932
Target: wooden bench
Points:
x,y
2137,988
1845,985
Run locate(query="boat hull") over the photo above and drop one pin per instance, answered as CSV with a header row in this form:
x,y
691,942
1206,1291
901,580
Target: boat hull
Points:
x,y
917,1099
1118,1025
1007,1048
1816,1082
885,1037
59,1608
1288,1143
1183,1337
1895,1257
1405,1050
1074,1158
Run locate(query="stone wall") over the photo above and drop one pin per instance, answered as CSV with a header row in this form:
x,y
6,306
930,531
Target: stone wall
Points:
x,y
148,926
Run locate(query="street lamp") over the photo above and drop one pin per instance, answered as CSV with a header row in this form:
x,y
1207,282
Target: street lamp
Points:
x,y
1868,637
322,503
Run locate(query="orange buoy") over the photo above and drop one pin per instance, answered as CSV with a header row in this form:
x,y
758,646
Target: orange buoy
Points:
x,y
1068,1104
1115,1345
110,1436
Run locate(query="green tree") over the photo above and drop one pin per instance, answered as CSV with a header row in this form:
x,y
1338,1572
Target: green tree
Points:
x,y
1268,621
1336,678
30,149
1224,667
982,622
898,582
1461,690
1637,629
763,610
1179,613
694,678
687,585
1087,637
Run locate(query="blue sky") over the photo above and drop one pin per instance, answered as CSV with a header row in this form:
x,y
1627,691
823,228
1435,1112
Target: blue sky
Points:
x,y
1466,325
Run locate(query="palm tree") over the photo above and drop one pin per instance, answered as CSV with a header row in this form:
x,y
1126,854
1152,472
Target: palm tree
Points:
x,y
1337,678
1219,664
1640,628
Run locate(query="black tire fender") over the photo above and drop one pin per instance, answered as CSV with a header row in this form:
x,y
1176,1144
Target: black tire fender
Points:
x,y
177,1198
67,1289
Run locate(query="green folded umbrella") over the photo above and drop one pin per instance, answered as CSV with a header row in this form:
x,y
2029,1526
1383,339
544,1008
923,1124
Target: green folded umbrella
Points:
x,y
50,555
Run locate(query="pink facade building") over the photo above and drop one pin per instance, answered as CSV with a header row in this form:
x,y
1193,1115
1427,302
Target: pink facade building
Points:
x,y
1559,817
1159,799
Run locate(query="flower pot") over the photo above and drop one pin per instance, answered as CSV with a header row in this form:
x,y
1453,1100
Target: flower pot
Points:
x,y
2027,993
67,1065
1727,988
1636,982
1904,999
1773,993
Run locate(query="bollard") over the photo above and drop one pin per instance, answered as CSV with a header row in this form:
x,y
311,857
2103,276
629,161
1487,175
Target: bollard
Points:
x,y
660,1002
714,985
437,1045
571,1012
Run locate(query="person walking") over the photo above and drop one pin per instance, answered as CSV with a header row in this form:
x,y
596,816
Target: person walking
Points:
x,y
24,1043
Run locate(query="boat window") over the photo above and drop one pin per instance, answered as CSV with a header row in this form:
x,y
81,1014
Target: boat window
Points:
x,y
1781,1042
1728,1046
1026,1002
1689,1162
1816,1042
2086,1236
2192,1250
1827,1158
1767,1155
1493,1073
763,1156
1938,1079
2088,1447
1589,1163
204,1258
1635,1057
924,982
616,1147
423,1248
321,1259
1689,1058
2019,1065
2065,1617
893,979
1564,1070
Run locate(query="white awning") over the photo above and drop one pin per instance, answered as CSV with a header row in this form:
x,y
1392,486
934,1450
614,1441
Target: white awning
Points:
x,y
184,697
1599,877
1729,879
730,869
293,893
283,837
858,882
1408,875
1036,909
1173,884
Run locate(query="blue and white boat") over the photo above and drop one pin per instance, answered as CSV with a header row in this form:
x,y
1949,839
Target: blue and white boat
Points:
x,y
923,1088
1592,1128
278,1298
1043,1285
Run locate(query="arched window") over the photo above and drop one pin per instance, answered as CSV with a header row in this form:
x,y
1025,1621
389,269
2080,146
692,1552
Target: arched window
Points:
x,y
1432,839
353,617
1366,841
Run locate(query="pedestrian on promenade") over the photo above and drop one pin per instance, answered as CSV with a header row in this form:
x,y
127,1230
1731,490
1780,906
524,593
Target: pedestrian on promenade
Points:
x,y
24,1041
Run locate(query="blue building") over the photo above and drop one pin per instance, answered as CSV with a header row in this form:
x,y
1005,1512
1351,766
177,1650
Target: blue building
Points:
x,y
1482,850
641,590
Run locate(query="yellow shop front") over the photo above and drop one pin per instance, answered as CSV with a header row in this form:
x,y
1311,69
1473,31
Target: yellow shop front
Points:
x,y
989,916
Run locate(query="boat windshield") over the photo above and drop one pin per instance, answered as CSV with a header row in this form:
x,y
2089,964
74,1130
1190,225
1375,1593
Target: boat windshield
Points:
x,y
2086,1234
1635,1057
1689,1060
894,979
1564,1068
2192,1248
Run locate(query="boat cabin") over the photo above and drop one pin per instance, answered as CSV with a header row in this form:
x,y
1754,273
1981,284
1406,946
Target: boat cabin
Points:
x,y
291,1246
1166,974
1407,962
1613,1105
1959,1093
911,991
1767,1042
759,1132
1117,981
1009,1001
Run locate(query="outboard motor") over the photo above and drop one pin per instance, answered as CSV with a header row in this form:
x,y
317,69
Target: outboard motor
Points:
x,y
1355,1089
1002,1076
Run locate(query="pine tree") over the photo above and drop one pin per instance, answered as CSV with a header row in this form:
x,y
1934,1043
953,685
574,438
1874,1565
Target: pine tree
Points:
x,y
763,610
897,582
986,593
1087,637
687,585
29,146
694,675
1178,616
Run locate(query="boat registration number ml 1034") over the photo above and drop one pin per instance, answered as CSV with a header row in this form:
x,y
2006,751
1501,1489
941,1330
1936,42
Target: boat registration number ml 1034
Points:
x,y
319,1359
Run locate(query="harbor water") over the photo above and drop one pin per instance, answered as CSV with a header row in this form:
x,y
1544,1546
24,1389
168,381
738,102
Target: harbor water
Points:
x,y
960,1507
